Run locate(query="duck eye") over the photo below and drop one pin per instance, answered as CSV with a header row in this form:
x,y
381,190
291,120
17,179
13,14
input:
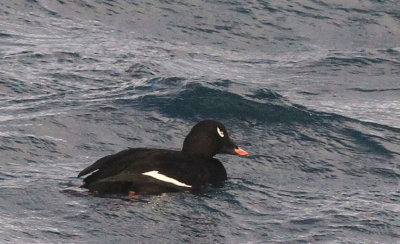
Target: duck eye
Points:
x,y
220,132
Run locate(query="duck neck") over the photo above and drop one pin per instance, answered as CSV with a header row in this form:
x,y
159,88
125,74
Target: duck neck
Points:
x,y
197,148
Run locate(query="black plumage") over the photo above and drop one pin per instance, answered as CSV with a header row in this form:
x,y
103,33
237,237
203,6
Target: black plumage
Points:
x,y
192,168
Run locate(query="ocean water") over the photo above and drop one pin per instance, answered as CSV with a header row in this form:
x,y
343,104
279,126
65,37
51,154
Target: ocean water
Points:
x,y
310,89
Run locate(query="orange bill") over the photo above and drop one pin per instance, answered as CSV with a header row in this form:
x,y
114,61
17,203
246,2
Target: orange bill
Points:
x,y
241,152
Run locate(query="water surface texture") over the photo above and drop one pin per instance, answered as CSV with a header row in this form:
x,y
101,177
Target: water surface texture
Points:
x,y
309,88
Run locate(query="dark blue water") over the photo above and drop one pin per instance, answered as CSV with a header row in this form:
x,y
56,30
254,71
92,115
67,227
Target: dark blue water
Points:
x,y
310,89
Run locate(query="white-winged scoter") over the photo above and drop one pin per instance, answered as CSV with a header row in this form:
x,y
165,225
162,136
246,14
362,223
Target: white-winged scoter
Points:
x,y
154,171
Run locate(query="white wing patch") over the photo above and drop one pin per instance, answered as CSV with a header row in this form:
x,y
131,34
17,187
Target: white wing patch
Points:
x,y
165,178
220,132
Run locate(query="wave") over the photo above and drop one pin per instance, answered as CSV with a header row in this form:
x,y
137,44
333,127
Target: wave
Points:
x,y
196,100
175,97
355,61
375,90
180,97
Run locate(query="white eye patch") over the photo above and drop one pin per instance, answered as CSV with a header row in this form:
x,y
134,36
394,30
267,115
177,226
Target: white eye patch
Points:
x,y
220,132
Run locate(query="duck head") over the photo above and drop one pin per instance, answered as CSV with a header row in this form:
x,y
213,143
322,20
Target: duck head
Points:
x,y
208,138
